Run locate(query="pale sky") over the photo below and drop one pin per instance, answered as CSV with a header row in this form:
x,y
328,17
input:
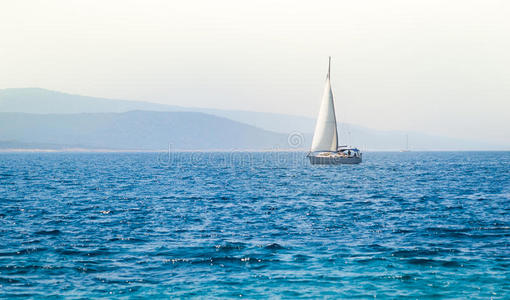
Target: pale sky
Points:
x,y
435,66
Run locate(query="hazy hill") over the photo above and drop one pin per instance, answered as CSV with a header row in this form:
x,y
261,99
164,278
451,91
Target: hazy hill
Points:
x,y
42,101
371,139
137,130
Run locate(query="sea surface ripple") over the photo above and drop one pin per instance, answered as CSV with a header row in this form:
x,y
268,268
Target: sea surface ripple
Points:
x,y
219,225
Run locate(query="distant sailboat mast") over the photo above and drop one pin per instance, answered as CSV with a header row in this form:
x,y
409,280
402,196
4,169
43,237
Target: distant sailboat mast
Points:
x,y
407,145
325,137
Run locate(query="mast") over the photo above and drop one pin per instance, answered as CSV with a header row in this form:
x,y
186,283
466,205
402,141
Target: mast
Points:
x,y
329,68
334,111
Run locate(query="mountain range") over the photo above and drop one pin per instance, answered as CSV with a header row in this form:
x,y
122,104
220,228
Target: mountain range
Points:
x,y
44,119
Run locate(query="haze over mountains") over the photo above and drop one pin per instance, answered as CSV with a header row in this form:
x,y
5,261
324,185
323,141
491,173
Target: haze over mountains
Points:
x,y
39,118
136,130
42,101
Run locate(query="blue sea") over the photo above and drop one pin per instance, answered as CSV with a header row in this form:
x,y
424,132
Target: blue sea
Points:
x,y
254,225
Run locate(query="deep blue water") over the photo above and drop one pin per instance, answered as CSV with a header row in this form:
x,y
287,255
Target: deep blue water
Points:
x,y
417,225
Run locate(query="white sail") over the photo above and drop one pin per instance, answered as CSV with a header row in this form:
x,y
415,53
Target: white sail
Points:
x,y
325,137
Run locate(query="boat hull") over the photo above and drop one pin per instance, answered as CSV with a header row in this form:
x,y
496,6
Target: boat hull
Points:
x,y
334,160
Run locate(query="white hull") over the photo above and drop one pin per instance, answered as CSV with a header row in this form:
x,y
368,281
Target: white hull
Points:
x,y
334,160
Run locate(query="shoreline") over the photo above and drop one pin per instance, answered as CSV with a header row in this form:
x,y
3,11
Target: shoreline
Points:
x,y
83,150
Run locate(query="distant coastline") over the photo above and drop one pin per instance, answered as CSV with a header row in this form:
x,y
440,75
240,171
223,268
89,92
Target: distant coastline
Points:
x,y
50,121
83,150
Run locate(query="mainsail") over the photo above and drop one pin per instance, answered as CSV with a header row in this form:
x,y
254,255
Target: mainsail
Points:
x,y
325,137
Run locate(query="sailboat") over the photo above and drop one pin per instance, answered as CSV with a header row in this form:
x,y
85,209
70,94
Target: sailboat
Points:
x,y
407,145
325,149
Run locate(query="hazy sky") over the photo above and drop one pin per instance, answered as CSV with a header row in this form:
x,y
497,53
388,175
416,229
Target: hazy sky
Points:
x,y
435,66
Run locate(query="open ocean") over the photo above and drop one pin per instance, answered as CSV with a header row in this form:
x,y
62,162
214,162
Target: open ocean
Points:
x,y
255,225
